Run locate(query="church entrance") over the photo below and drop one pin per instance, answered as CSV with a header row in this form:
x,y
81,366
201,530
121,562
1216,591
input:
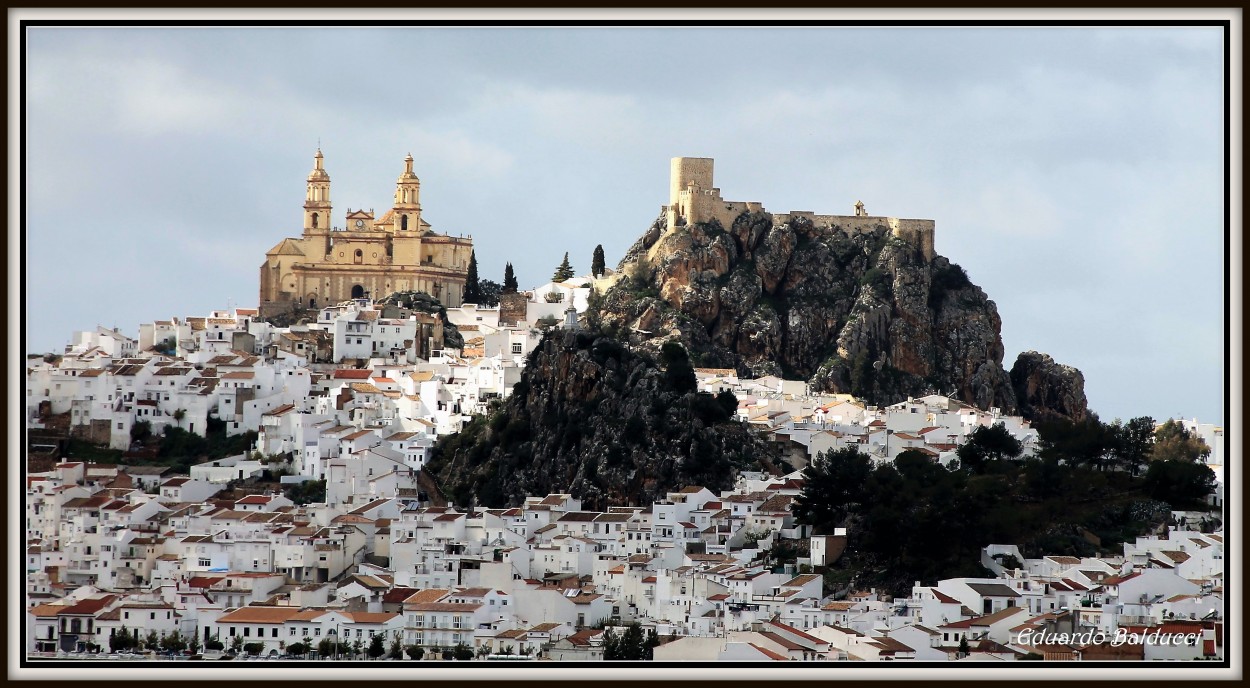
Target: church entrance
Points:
x,y
358,291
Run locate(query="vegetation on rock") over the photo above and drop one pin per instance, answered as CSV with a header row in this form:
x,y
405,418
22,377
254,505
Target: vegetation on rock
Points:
x,y
610,425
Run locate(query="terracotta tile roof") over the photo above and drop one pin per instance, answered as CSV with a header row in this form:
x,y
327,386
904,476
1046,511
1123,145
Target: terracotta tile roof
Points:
x,y
49,610
427,595
769,653
943,597
352,374
987,619
88,607
260,615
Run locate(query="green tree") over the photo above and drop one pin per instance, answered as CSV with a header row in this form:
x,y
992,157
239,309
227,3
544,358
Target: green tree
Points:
x,y
297,649
988,444
307,492
488,292
215,645
1088,442
1179,482
152,642
462,652
963,646
509,280
358,647
472,289
728,402
194,643
396,650
1133,443
630,645
120,640
597,267
564,271
414,651
377,646
236,644
327,647
174,642
253,649
678,373
141,431
833,486
1174,443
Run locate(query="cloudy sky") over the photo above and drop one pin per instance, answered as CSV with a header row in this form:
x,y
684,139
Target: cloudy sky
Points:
x,y
1076,173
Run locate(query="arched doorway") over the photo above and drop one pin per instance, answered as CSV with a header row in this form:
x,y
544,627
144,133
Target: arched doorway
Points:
x,y
358,291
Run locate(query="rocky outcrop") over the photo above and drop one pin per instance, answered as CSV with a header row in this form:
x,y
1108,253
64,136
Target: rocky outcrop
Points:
x,y
595,419
858,312
1047,390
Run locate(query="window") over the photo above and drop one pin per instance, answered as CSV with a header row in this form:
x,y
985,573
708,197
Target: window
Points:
x,y
292,630
275,632
516,347
232,631
247,631
316,631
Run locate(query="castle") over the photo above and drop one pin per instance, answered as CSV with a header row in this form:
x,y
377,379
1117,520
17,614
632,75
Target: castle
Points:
x,y
367,257
693,199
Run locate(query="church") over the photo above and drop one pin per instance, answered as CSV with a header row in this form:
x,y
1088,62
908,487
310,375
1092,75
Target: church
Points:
x,y
367,257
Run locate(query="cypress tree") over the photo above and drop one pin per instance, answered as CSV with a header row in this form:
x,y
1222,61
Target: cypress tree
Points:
x,y
472,290
596,262
509,280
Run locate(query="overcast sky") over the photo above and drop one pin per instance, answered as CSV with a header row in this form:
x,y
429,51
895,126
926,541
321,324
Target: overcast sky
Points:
x,y
1076,173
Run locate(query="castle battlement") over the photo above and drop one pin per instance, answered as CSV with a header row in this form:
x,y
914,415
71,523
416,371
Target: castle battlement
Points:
x,y
693,199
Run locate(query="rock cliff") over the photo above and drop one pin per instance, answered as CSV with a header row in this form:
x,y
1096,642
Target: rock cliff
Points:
x,y
1046,390
857,312
607,424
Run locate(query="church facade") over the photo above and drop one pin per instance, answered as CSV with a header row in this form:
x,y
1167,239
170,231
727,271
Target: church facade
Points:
x,y
367,257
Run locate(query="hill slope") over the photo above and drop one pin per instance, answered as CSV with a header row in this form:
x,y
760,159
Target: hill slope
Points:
x,y
594,418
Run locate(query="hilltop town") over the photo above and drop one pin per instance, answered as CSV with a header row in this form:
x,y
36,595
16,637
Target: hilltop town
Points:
x,y
220,556
255,483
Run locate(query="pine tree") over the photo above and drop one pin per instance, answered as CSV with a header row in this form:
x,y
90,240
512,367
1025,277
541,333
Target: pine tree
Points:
x,y
509,280
565,271
472,290
596,262
377,646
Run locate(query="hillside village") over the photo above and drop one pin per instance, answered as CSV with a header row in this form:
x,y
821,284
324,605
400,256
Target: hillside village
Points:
x,y
221,560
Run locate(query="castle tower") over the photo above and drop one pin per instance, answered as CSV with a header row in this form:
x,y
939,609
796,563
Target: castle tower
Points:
x,y
317,201
407,199
688,177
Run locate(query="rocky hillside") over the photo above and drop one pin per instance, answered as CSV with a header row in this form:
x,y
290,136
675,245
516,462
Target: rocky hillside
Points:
x,y
1046,390
609,425
863,313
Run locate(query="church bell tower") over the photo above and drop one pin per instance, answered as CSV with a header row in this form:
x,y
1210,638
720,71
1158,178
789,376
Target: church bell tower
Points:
x,y
317,201
407,200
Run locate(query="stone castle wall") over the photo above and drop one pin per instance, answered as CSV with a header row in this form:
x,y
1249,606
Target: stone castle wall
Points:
x,y
693,199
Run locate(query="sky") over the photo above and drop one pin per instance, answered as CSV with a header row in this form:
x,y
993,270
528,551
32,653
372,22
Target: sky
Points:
x,y
1076,173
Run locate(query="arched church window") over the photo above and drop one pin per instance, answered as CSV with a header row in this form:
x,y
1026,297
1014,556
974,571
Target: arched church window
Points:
x,y
403,222
359,255
314,224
